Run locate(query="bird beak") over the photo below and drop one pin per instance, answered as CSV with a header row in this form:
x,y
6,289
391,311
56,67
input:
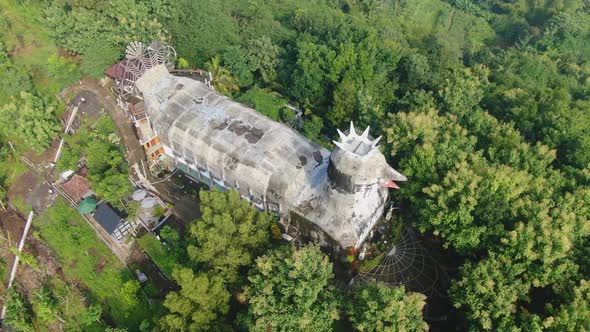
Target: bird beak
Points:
x,y
391,184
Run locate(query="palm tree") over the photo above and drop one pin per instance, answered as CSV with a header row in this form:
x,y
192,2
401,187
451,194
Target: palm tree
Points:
x,y
266,54
223,81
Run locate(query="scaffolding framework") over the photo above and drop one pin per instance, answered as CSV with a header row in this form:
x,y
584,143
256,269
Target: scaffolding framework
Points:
x,y
138,59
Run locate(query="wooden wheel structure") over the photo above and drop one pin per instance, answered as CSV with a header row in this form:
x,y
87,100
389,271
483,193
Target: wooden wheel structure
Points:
x,y
138,59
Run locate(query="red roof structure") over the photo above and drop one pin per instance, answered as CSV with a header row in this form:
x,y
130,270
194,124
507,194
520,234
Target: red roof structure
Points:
x,y
112,70
77,187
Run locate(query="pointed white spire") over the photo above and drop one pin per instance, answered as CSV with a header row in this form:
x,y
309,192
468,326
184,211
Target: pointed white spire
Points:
x,y
374,143
339,144
365,134
343,137
361,145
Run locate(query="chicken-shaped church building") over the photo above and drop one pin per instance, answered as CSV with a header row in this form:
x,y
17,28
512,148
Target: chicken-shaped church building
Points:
x,y
332,197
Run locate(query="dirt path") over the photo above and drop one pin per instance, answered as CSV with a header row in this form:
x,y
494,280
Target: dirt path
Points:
x,y
186,206
135,151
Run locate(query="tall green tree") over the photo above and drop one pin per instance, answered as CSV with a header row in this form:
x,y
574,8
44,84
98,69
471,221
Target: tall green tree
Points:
x,y
114,188
345,102
425,145
13,78
199,303
574,314
223,81
471,207
84,27
105,160
377,307
489,291
229,234
241,64
203,30
463,90
310,76
264,54
291,290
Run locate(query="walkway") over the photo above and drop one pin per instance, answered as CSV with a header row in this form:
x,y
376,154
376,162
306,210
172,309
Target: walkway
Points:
x,y
186,207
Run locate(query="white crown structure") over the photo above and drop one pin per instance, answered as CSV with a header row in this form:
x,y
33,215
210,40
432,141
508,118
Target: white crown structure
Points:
x,y
362,145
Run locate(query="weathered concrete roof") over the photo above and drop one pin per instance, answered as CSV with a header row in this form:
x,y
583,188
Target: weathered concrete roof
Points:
x,y
352,196
232,141
342,192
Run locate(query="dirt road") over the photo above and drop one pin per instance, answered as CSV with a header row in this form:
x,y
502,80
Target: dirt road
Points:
x,y
186,205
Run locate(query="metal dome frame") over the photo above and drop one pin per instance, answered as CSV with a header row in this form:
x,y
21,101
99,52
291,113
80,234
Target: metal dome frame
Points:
x,y
410,264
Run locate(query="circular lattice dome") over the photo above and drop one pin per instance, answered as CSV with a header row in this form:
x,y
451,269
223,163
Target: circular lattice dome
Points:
x,y
410,264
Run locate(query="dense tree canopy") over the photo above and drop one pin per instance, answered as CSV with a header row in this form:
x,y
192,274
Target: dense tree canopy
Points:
x,y
574,314
198,304
29,119
229,235
99,30
291,290
377,307
483,105
106,161
13,78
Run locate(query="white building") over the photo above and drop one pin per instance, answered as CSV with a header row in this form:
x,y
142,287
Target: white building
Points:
x,y
331,197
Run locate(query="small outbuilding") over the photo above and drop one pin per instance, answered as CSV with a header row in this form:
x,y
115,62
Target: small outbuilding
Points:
x,y
87,206
77,187
107,217
112,222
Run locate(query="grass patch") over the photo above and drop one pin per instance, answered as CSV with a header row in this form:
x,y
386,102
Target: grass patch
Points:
x,y
368,264
86,259
420,19
160,254
3,271
11,169
23,32
267,104
22,206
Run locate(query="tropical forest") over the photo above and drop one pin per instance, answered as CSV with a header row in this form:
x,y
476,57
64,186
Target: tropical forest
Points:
x,y
483,105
